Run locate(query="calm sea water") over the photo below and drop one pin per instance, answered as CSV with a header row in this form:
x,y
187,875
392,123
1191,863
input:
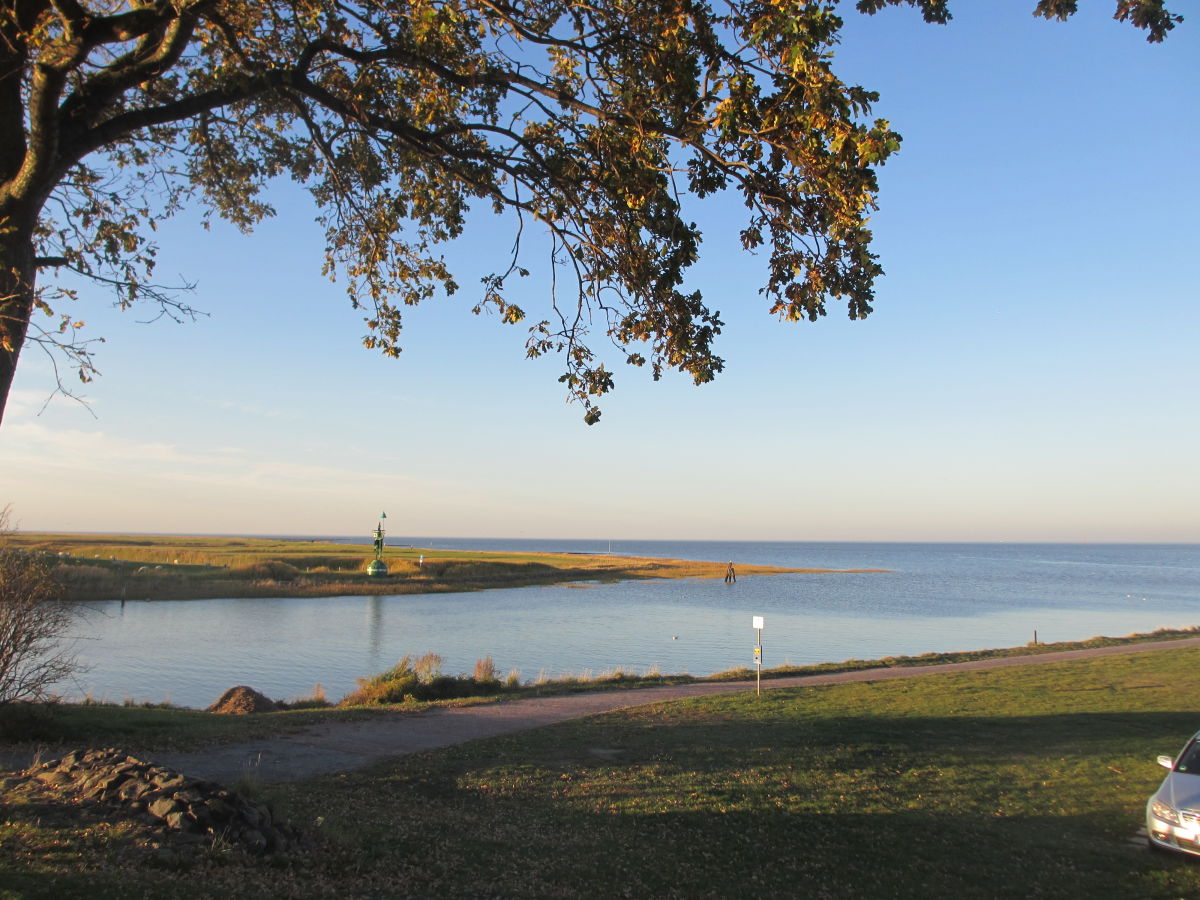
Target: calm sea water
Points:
x,y
936,597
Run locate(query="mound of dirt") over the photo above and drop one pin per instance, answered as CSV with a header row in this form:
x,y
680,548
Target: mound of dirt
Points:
x,y
240,700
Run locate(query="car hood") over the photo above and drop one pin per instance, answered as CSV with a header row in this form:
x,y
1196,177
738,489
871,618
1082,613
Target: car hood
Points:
x,y
1180,790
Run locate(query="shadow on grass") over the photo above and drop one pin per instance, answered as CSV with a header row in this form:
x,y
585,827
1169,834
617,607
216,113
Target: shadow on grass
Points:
x,y
531,846
972,806
1054,734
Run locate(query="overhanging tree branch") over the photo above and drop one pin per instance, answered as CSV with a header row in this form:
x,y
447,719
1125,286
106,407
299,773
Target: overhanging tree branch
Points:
x,y
398,116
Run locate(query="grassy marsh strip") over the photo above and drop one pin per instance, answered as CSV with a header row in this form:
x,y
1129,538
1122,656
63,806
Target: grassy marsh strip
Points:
x,y
100,567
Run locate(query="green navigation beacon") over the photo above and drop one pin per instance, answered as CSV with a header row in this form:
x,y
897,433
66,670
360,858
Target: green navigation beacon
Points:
x,y
377,567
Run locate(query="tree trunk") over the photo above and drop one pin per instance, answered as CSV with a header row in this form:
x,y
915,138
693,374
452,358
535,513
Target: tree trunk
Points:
x,y
18,273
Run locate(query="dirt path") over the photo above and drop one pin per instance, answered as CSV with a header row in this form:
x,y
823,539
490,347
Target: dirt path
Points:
x,y
341,747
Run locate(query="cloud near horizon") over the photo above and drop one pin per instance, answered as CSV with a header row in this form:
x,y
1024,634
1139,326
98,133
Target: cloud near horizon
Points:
x,y
213,484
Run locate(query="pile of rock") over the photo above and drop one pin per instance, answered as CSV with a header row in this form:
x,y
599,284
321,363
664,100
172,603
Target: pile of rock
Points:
x,y
242,700
192,809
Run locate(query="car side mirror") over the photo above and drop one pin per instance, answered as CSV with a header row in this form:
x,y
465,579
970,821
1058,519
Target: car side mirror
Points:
x,y
1166,762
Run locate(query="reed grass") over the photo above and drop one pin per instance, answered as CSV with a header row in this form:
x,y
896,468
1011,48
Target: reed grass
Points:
x,y
485,670
315,700
421,679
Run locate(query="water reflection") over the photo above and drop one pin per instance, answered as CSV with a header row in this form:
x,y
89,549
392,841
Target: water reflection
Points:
x,y
375,625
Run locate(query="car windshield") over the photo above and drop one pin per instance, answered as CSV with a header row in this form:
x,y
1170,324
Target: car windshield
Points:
x,y
1189,759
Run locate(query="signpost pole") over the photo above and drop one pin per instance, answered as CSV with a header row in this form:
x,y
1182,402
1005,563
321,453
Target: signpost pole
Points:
x,y
757,623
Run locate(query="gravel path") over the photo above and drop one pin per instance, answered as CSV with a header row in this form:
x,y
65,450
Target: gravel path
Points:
x,y
341,747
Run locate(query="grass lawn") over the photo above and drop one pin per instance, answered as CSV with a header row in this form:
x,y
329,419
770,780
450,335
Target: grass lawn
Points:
x,y
146,729
1025,782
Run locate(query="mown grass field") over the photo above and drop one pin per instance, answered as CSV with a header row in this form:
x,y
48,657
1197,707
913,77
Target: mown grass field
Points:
x,y
1024,782
99,567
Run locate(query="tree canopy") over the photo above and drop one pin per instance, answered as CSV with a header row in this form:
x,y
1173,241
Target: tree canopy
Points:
x,y
593,122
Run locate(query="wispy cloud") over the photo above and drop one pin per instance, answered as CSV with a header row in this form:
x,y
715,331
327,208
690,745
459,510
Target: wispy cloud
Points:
x,y
32,453
31,443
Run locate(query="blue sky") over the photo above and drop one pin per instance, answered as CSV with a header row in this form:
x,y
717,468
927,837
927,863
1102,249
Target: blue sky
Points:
x,y
1029,373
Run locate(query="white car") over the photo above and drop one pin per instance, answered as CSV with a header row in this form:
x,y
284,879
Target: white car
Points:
x,y
1173,813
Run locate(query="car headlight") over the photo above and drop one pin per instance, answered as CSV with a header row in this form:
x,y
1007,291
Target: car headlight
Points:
x,y
1160,810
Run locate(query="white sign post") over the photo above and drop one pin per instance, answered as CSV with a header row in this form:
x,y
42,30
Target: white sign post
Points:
x,y
758,627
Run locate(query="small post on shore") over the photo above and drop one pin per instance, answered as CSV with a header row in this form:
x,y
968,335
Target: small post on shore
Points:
x,y
758,627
